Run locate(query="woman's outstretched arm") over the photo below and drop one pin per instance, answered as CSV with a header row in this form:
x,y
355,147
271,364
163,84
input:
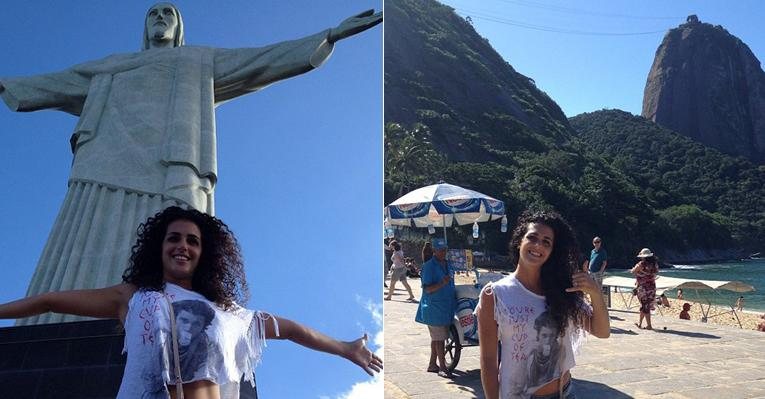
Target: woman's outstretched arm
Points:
x,y
355,351
105,303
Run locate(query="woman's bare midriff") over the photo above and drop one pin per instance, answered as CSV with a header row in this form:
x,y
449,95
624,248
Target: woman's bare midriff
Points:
x,y
552,386
197,390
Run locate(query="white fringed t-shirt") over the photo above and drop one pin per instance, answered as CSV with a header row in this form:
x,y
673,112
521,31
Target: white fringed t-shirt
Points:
x,y
213,344
533,352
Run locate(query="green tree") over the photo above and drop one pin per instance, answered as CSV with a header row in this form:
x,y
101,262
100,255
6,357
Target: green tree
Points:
x,y
410,160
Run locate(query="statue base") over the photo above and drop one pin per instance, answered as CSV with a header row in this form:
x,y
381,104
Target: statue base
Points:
x,y
67,360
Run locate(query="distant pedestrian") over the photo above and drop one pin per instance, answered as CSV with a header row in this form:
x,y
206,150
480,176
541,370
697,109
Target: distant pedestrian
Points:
x,y
598,260
646,271
680,294
387,253
740,303
427,252
437,305
398,271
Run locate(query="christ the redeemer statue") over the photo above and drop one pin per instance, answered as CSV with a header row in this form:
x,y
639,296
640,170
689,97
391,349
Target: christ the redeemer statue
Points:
x,y
145,138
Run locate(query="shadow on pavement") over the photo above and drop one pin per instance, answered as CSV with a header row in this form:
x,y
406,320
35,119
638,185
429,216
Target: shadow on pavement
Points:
x,y
617,330
688,334
589,389
469,381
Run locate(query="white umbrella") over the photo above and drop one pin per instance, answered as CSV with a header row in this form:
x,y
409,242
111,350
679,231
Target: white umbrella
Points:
x,y
442,205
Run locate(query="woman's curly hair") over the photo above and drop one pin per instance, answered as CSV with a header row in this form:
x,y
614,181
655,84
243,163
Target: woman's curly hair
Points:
x,y
219,276
556,272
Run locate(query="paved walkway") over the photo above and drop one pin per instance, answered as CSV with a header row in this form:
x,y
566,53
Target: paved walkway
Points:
x,y
687,360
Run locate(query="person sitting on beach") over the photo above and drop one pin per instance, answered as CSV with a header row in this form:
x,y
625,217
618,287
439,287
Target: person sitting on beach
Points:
x,y
188,264
538,313
684,314
663,301
680,294
740,303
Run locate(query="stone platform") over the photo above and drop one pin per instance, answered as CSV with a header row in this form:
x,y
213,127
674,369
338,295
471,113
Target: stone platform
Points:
x,y
687,360
66,360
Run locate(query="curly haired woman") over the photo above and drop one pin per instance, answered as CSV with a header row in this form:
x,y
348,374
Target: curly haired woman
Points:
x,y
538,313
179,305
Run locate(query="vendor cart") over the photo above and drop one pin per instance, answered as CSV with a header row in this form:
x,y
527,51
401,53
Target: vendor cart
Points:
x,y
464,329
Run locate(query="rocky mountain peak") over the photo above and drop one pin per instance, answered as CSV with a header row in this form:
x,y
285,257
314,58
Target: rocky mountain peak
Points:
x,y
706,84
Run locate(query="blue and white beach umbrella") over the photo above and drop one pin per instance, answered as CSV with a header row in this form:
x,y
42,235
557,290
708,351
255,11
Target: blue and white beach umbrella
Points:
x,y
442,205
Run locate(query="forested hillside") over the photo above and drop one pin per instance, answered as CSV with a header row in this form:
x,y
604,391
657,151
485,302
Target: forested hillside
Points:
x,y
456,111
703,197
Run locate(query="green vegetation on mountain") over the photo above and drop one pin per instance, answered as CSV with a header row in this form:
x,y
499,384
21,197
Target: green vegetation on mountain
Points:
x,y
704,197
456,111
439,73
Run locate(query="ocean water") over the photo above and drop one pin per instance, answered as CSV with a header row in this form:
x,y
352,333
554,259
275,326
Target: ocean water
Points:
x,y
751,272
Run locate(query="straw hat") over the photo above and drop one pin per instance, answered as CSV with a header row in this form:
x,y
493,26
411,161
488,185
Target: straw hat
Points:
x,y
645,253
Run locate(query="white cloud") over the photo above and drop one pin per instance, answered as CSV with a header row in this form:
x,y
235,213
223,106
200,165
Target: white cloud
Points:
x,y
365,390
372,388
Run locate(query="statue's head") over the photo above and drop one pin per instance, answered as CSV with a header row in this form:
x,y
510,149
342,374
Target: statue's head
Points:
x,y
163,24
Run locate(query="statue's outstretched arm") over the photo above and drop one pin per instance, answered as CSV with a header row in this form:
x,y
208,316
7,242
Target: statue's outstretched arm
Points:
x,y
355,24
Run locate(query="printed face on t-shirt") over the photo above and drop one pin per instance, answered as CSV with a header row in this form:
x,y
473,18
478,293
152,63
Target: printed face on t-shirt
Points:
x,y
189,326
546,339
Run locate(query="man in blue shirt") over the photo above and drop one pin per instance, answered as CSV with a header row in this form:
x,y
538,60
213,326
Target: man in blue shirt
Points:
x,y
598,260
437,305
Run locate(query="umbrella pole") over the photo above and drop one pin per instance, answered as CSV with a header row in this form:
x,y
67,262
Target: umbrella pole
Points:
x,y
444,221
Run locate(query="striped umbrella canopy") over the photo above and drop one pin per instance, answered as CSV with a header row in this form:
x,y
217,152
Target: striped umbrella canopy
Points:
x,y
442,205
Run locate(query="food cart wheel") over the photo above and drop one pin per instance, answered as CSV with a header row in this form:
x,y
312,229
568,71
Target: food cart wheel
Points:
x,y
452,348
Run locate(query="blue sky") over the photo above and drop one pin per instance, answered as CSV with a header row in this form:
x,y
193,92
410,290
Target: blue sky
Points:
x,y
300,166
589,72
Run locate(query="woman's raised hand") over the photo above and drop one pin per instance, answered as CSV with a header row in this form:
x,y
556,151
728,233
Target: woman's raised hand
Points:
x,y
359,354
582,281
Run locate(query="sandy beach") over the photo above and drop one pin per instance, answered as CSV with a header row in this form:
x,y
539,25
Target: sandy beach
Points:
x,y
716,315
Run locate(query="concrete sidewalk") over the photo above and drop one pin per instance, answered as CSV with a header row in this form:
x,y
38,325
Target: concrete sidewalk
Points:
x,y
687,360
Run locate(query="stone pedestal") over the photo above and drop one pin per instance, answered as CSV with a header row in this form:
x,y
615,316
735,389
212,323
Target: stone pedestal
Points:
x,y
66,360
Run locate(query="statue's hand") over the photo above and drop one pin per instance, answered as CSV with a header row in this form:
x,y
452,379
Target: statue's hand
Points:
x,y
355,24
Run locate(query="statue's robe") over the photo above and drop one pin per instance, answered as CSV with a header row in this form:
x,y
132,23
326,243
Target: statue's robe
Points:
x,y
145,140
